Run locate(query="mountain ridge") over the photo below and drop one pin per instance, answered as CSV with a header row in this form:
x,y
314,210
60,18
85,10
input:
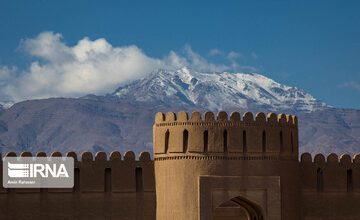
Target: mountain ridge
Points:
x,y
123,120
218,90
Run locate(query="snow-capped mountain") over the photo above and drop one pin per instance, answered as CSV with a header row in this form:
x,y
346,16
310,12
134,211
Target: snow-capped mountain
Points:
x,y
123,119
217,91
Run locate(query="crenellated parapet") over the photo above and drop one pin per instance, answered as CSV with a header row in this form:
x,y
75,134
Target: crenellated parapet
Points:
x,y
268,136
331,173
103,173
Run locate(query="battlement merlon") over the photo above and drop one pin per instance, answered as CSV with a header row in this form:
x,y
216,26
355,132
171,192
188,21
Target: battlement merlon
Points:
x,y
271,135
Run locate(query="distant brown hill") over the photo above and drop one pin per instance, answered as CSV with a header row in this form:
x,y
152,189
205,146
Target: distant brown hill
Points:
x,y
123,120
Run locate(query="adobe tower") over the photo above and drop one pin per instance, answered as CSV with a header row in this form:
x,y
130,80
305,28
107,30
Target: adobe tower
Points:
x,y
219,167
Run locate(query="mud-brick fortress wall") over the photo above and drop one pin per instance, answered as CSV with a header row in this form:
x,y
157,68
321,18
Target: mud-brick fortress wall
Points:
x,y
330,187
199,162
105,187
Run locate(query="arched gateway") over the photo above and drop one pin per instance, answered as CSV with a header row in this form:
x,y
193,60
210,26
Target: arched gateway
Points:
x,y
238,208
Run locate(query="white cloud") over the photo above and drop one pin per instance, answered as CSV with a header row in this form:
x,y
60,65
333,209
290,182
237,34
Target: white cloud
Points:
x,y
5,73
199,63
48,46
87,67
90,66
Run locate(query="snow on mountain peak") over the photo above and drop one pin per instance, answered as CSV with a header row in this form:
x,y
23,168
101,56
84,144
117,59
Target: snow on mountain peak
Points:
x,y
6,104
216,91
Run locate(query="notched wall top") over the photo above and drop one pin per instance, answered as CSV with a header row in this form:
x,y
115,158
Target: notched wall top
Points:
x,y
266,135
331,173
162,119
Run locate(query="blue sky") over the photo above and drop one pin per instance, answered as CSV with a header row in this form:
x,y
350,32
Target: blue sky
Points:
x,y
314,45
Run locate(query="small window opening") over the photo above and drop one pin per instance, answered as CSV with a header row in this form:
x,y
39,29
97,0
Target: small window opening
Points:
x,y
139,179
